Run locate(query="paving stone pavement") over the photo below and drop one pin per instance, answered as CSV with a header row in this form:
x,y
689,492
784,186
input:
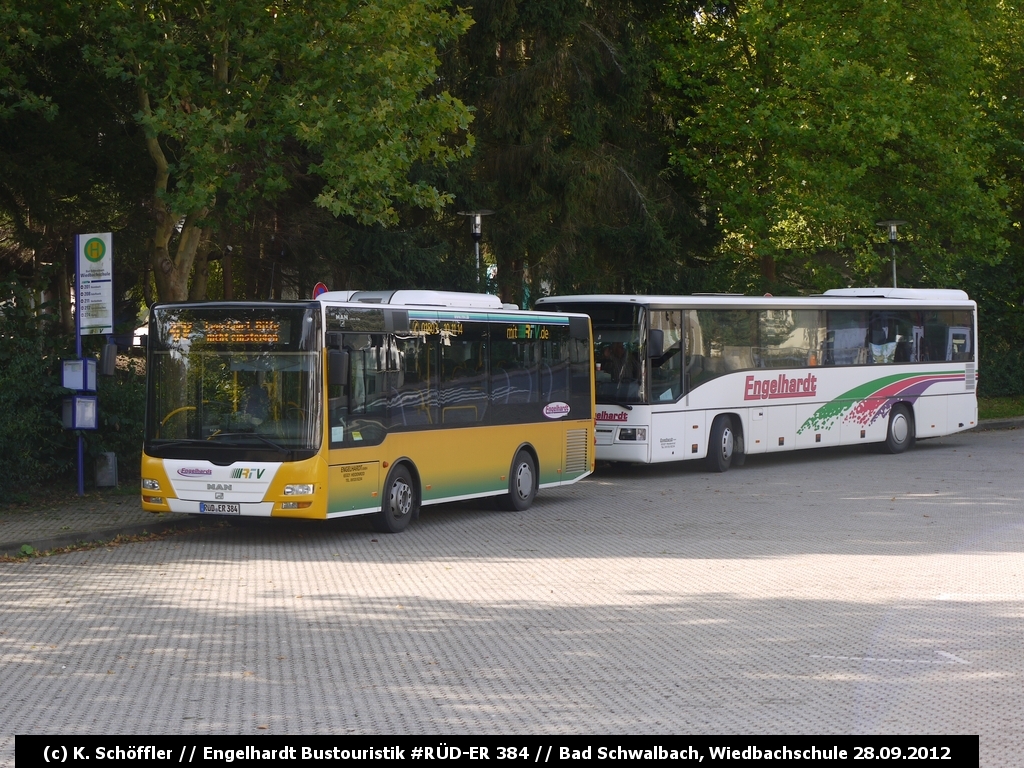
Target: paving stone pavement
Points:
x,y
94,517
837,591
104,516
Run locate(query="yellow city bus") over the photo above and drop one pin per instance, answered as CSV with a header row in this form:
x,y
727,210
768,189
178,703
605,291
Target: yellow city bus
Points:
x,y
363,403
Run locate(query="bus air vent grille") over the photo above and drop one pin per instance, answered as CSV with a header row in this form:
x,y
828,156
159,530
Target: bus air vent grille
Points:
x,y
970,377
576,442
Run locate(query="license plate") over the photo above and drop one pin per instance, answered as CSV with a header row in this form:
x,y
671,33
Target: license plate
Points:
x,y
206,508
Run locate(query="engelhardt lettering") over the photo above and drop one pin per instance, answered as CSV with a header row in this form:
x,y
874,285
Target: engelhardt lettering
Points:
x,y
606,416
249,753
782,386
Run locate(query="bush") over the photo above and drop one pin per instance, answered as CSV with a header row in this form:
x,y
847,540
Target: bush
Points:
x,y
34,446
122,413
1001,369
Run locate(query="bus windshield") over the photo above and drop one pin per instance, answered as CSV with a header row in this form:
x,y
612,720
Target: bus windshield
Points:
x,y
619,350
228,382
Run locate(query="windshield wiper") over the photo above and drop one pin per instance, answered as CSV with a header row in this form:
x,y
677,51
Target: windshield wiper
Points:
x,y
261,438
627,406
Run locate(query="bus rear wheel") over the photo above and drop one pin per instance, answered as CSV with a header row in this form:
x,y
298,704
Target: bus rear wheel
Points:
x,y
900,435
522,483
721,445
400,503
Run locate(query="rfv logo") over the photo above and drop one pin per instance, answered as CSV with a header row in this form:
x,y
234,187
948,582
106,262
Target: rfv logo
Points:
x,y
247,474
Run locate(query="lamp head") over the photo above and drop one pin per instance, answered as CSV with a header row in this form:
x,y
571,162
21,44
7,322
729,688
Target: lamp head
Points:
x,y
891,225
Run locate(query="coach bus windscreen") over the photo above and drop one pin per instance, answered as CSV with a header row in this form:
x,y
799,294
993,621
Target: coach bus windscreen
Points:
x,y
620,331
232,383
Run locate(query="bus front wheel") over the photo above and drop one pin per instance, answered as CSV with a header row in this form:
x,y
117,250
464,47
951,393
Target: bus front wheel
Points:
x,y
522,483
900,435
399,504
721,444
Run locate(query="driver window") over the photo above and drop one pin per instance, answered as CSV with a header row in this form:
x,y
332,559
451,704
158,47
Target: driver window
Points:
x,y
358,412
667,370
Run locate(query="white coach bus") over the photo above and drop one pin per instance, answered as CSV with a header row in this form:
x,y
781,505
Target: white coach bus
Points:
x,y
718,377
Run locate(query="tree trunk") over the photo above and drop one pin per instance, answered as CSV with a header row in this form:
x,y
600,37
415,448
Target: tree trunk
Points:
x,y
66,277
278,281
201,271
225,265
147,288
171,273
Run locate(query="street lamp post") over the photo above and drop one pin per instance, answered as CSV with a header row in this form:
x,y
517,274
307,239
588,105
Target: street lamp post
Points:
x,y
891,225
476,228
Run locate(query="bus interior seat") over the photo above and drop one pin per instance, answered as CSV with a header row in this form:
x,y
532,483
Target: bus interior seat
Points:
x,y
459,414
737,358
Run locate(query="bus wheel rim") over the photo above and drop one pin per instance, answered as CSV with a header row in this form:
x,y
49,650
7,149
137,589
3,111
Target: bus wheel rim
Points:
x,y
524,480
900,428
401,498
727,444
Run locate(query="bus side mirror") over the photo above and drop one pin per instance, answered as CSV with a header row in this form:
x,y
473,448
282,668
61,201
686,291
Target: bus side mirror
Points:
x,y
655,342
337,367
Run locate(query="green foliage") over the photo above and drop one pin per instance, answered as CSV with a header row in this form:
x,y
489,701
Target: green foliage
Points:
x,y
122,415
34,446
570,151
240,99
810,122
19,41
999,290
1000,407
668,146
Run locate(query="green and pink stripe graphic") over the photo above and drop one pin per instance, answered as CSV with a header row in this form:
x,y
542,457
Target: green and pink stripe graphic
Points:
x,y
866,403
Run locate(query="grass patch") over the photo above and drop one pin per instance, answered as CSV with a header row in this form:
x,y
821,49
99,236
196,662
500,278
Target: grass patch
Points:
x,y
1000,407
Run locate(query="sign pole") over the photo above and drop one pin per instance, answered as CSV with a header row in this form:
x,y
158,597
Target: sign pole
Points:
x,y
78,354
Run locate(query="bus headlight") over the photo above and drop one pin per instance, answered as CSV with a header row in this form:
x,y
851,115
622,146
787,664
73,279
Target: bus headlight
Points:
x,y
635,434
300,489
150,485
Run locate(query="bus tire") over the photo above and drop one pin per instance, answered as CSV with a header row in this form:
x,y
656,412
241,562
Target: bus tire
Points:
x,y
900,434
522,483
400,503
721,445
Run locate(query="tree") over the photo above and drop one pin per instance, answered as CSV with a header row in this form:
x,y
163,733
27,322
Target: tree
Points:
x,y
66,141
808,123
227,94
999,288
571,152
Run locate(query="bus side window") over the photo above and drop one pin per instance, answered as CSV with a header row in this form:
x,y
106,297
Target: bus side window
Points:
x,y
555,382
728,338
848,335
463,392
948,335
790,338
412,399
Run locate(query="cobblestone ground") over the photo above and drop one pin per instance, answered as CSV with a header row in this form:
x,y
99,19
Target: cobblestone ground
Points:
x,y
839,591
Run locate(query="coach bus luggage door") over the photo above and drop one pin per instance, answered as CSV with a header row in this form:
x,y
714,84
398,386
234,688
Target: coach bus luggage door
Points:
x,y
756,438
